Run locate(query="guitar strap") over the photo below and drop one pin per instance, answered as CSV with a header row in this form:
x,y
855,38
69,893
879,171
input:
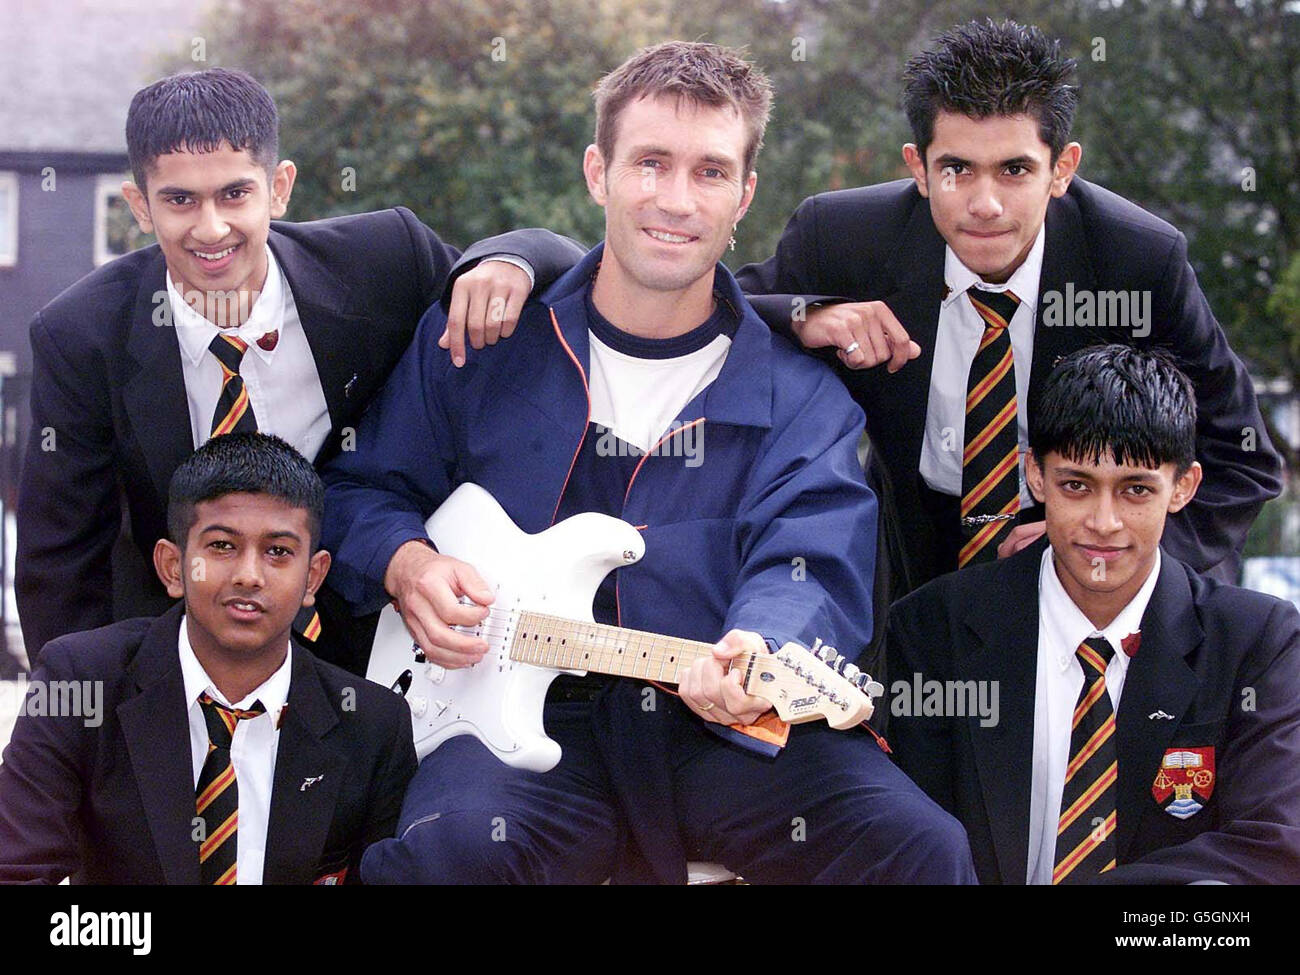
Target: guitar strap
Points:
x,y
770,729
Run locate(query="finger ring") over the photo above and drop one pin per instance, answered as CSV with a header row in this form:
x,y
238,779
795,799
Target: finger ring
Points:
x,y
853,347
707,707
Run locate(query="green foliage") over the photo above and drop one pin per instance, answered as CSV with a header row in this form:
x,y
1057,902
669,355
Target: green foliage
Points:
x,y
1193,114
1284,314
474,113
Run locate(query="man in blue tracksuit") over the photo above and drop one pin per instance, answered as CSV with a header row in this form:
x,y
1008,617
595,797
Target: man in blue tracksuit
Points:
x,y
642,385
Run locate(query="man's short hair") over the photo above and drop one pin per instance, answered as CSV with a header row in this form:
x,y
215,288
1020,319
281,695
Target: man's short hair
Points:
x,y
706,74
1135,406
244,463
199,112
986,69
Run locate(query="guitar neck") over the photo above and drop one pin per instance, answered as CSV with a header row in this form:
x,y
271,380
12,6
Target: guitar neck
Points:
x,y
564,644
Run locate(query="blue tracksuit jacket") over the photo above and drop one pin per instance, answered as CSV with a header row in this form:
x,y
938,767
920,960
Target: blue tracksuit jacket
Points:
x,y
774,531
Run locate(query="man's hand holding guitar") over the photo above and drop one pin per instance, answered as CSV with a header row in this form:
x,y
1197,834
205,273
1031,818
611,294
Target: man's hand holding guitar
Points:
x,y
714,692
427,587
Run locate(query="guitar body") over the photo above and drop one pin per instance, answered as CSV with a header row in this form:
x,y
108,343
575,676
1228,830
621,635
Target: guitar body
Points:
x,y
500,700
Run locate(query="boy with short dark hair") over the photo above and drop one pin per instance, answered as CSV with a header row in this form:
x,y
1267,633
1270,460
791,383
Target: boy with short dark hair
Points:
x,y
234,321
969,280
1149,728
293,766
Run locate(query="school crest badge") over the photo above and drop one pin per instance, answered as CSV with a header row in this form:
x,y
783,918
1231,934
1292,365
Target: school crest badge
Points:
x,y
1186,775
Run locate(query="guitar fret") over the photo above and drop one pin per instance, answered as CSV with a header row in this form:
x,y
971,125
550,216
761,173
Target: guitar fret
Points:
x,y
645,655
551,641
552,649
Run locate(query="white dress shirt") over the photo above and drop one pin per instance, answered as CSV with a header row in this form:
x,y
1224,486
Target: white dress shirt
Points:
x,y
252,751
955,344
1062,627
283,385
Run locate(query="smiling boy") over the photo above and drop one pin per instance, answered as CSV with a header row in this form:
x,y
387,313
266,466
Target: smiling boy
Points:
x,y
945,292
235,320
292,766
1150,722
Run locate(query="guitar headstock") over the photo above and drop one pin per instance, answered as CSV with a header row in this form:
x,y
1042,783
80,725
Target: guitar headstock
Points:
x,y
804,685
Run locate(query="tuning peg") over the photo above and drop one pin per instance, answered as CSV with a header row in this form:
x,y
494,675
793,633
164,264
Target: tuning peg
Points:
x,y
827,653
850,671
868,686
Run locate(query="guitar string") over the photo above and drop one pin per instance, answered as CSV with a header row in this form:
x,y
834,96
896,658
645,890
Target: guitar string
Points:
x,y
602,646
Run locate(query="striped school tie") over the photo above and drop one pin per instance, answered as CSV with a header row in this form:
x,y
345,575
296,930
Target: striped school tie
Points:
x,y
1085,835
234,413
217,794
990,470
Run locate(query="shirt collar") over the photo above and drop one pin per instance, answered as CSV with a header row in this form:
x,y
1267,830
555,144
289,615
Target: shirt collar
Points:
x,y
1023,283
273,692
1065,623
195,333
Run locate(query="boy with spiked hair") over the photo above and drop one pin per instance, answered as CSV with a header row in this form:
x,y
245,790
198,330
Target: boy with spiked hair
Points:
x,y
1149,728
968,281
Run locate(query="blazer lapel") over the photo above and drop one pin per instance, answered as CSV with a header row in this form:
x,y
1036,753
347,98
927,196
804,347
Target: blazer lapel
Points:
x,y
1003,622
1158,679
1066,271
157,734
308,776
334,326
915,302
154,397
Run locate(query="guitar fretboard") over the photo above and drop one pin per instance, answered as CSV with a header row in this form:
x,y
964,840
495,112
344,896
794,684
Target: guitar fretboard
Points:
x,y
553,641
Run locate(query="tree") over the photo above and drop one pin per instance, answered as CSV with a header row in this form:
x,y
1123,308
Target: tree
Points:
x,y
475,112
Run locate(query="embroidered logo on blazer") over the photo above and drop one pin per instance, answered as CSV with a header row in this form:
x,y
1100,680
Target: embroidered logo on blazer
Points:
x,y
1186,774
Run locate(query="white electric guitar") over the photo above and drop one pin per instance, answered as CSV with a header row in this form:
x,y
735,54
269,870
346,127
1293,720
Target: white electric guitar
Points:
x,y
541,626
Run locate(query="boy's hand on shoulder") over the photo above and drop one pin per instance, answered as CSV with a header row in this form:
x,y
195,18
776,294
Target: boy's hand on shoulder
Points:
x,y
485,302
1021,536
427,588
866,333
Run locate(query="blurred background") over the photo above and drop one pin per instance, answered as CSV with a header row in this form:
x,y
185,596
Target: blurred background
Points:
x,y
474,114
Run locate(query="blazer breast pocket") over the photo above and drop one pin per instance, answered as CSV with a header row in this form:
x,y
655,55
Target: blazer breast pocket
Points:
x,y
1185,781
332,870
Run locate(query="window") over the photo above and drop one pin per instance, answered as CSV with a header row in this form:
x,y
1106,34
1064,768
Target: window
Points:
x,y
8,219
116,232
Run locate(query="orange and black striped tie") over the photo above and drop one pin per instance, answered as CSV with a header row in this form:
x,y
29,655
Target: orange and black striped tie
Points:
x,y
217,794
234,413
1085,834
990,469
